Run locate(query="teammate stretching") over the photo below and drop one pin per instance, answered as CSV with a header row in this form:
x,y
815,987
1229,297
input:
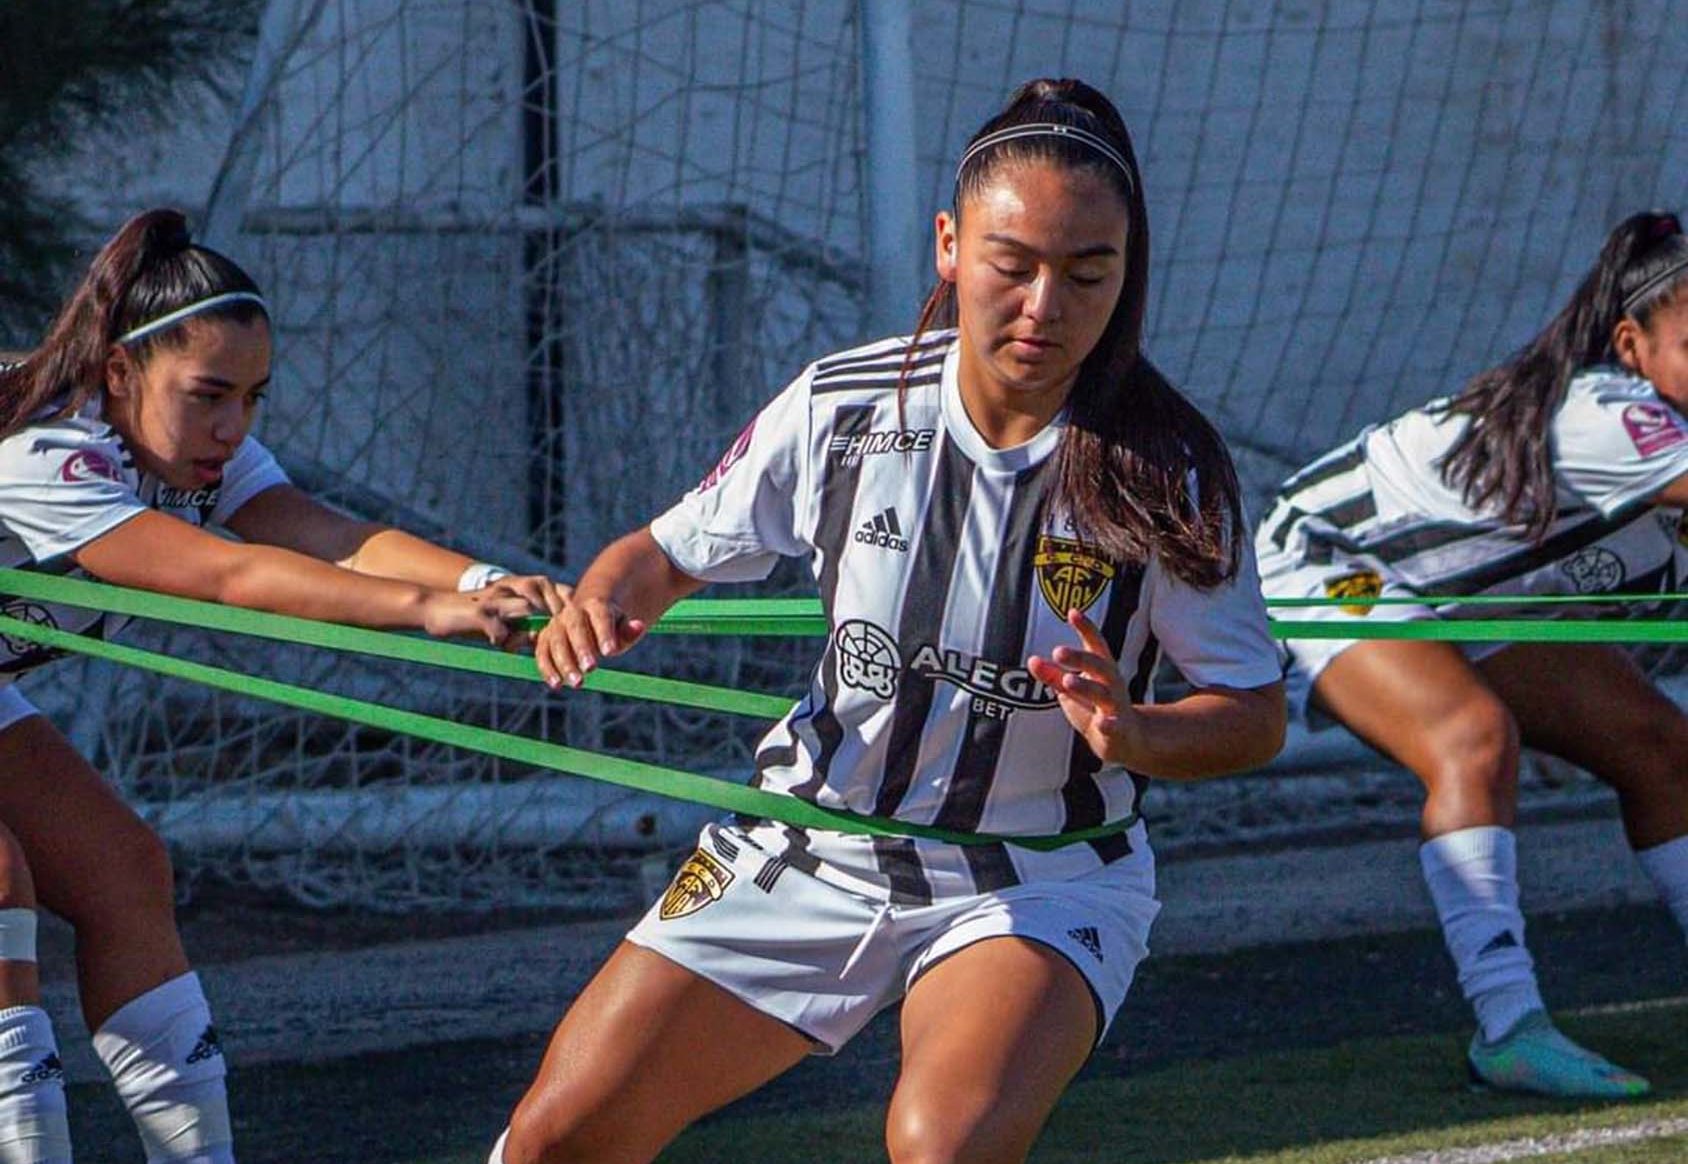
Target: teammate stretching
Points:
x,y
1544,476
120,436
1063,516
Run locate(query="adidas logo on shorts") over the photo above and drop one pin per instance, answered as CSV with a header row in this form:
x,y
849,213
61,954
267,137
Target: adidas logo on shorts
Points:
x,y
208,1047
1087,937
883,530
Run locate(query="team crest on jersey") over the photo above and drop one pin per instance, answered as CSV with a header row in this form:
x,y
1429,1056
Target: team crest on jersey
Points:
x,y
35,615
1652,428
89,465
1359,584
701,880
734,454
868,658
1594,570
1071,575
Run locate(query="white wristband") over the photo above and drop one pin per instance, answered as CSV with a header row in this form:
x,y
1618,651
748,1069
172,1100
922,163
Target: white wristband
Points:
x,y
479,574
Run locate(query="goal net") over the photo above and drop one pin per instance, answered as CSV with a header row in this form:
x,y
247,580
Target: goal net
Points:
x,y
534,263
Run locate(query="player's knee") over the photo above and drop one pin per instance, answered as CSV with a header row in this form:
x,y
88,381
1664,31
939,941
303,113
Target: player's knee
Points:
x,y
17,887
936,1131
1475,752
560,1126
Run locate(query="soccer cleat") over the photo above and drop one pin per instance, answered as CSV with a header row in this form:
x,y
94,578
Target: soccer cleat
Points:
x,y
1534,1056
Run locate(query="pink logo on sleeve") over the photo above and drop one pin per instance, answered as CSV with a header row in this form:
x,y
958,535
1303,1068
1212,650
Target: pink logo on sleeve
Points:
x,y
1653,428
88,465
733,455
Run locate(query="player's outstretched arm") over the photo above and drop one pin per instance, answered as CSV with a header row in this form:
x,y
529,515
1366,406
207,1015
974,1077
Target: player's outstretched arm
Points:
x,y
625,589
1209,732
154,551
288,517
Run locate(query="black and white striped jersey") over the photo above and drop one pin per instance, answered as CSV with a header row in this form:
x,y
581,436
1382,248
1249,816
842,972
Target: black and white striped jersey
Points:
x,y
939,574
65,482
1379,504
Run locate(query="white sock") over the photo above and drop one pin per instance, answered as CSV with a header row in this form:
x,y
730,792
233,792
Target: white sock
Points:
x,y
497,1156
1473,879
165,1060
1667,866
33,1128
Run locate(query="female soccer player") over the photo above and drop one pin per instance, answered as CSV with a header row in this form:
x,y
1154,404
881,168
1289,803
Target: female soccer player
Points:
x,y
121,436
1008,522
1549,474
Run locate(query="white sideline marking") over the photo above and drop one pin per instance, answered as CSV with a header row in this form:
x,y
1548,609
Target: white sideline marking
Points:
x,y
1645,1004
1541,1145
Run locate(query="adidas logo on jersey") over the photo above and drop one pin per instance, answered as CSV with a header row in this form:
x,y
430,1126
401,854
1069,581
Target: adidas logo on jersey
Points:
x,y
883,530
48,1068
1087,937
208,1047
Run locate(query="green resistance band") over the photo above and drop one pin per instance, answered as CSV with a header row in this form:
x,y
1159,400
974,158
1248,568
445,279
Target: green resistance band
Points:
x,y
381,644
802,616
670,782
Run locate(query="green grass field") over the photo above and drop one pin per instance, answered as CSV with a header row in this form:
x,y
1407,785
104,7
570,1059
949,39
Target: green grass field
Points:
x,y
1358,1102
1346,1051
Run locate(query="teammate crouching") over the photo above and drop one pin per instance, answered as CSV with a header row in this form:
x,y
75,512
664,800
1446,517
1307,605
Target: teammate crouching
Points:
x,y
1561,471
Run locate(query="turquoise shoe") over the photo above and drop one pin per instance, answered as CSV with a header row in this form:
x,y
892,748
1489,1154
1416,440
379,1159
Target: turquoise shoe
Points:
x,y
1534,1056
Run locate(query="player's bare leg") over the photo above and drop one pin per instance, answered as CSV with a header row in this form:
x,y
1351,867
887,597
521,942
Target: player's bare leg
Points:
x,y
638,1057
98,865
1425,705
980,1076
33,1123
1592,705
95,863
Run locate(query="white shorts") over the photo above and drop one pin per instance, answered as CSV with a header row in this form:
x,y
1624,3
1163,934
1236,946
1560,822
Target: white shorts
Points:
x,y
1282,576
14,706
824,960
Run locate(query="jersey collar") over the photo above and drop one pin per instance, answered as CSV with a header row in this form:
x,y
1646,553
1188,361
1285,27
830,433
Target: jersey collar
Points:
x,y
960,428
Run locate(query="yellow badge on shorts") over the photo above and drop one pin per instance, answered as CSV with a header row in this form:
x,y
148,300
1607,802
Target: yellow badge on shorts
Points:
x,y
1360,584
701,880
1070,574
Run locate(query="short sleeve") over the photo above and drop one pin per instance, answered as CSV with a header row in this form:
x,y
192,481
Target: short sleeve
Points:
x,y
63,484
1616,441
745,513
250,471
1218,637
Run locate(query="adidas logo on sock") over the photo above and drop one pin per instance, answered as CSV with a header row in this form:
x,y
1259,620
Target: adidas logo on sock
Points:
x,y
48,1069
208,1047
1087,937
1501,941
883,530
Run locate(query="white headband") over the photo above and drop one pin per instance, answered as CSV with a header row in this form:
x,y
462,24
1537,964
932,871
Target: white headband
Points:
x,y
193,309
1046,129
1634,298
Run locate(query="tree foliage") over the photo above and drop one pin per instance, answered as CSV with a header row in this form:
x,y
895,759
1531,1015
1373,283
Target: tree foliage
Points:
x,y
72,70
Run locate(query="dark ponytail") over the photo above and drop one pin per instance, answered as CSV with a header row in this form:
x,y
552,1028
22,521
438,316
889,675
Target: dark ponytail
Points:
x,y
150,268
1504,458
1140,469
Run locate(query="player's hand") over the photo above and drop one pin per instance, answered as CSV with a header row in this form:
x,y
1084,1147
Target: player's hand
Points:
x,y
583,632
543,595
1092,693
484,612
